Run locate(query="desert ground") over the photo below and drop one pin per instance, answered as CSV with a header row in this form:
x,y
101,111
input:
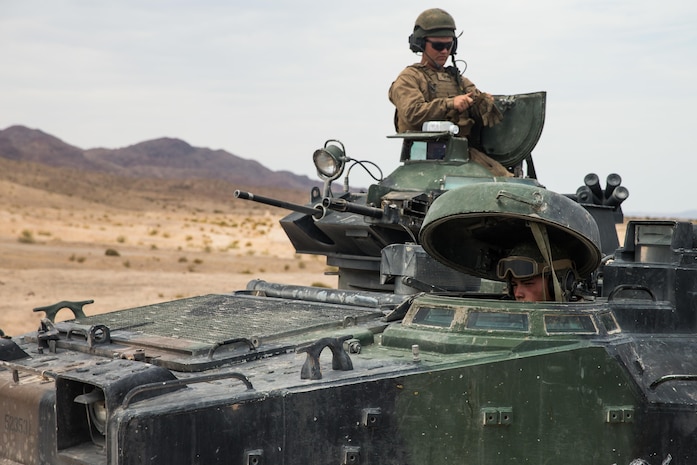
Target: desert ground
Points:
x,y
57,247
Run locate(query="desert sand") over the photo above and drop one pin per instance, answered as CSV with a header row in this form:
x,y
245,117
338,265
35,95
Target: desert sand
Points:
x,y
57,247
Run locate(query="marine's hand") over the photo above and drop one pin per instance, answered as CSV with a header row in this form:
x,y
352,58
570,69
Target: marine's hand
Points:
x,y
485,107
463,102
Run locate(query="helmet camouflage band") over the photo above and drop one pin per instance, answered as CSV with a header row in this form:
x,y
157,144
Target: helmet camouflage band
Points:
x,y
434,22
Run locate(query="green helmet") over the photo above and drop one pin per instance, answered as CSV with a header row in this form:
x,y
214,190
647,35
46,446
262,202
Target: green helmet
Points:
x,y
434,22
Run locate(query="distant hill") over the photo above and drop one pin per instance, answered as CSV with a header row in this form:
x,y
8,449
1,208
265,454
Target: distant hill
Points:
x,y
164,158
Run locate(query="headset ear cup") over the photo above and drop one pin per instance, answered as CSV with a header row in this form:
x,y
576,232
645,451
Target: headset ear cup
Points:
x,y
567,281
416,44
453,51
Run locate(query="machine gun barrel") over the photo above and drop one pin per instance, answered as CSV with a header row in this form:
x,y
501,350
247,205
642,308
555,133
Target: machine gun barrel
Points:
x,y
315,212
342,205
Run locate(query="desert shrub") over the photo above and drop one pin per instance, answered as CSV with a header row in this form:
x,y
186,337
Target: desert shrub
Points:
x,y
112,253
26,237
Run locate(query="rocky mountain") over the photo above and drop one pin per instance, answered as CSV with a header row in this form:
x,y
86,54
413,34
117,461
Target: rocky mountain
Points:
x,y
164,158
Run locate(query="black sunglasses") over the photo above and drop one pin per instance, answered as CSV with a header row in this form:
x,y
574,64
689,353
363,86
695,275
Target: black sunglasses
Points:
x,y
440,46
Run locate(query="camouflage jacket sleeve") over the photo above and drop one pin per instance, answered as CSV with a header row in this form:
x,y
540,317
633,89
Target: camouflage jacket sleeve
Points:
x,y
416,101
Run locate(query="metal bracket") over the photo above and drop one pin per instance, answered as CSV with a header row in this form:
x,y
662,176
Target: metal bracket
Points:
x,y
619,414
94,334
497,416
371,417
76,307
253,457
350,455
47,336
536,202
340,359
252,344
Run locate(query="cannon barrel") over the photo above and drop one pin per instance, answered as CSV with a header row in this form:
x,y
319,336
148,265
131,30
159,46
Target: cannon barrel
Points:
x,y
342,205
315,212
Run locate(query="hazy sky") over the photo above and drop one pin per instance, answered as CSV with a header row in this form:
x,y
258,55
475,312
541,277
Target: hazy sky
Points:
x,y
273,80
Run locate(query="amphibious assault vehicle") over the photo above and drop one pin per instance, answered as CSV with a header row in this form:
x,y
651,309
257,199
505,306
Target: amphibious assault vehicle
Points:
x,y
418,357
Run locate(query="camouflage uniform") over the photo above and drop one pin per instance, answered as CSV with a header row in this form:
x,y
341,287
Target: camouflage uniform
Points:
x,y
423,94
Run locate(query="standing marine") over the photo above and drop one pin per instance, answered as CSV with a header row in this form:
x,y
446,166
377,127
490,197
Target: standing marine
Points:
x,y
431,91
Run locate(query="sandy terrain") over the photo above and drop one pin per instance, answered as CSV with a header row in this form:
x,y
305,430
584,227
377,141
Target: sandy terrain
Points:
x,y
54,247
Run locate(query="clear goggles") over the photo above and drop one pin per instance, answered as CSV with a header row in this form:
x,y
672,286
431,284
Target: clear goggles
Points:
x,y
525,267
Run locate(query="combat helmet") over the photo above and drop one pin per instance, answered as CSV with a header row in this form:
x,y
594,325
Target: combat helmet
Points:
x,y
433,22
525,260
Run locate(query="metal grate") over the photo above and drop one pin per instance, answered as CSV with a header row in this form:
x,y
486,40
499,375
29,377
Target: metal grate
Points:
x,y
217,317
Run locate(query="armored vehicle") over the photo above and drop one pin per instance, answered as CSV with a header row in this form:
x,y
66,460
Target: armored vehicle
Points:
x,y
419,356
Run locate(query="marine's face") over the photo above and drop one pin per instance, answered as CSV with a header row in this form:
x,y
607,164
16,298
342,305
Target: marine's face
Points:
x,y
531,289
445,44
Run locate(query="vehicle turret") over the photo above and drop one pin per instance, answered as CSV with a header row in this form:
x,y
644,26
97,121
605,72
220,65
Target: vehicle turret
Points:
x,y
355,230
